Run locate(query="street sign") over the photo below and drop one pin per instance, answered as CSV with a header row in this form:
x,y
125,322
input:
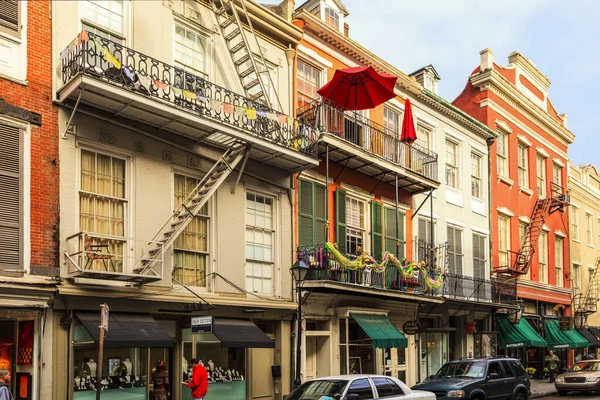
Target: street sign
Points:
x,y
411,327
202,324
104,315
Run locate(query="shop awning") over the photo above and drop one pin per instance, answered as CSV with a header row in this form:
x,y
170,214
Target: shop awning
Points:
x,y
520,334
558,339
590,337
126,330
379,328
241,333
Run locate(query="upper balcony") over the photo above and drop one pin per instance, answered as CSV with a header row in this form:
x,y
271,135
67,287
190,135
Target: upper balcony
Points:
x,y
480,290
129,87
365,146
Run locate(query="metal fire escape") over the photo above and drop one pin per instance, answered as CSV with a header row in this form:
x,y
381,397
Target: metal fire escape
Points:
x,y
542,207
588,303
254,74
191,206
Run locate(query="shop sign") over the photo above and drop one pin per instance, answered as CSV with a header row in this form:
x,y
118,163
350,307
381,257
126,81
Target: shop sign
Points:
x,y
411,327
202,324
512,345
104,317
564,323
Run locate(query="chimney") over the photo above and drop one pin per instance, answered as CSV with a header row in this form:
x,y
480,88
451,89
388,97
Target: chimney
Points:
x,y
346,29
287,9
564,117
487,59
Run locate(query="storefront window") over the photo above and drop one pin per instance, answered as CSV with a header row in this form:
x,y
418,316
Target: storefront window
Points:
x,y
19,349
434,352
359,350
485,345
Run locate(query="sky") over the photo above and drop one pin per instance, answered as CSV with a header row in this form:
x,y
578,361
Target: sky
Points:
x,y
562,38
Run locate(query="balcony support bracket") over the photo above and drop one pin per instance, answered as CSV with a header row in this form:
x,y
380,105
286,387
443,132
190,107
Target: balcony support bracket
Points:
x,y
68,127
422,204
379,181
237,180
343,168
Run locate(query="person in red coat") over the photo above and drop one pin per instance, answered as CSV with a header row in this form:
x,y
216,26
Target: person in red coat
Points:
x,y
199,382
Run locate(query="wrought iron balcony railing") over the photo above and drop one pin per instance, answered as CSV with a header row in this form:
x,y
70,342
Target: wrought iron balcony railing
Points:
x,y
120,66
324,266
370,136
461,287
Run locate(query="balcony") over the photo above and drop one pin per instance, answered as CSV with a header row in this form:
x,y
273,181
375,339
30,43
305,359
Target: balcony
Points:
x,y
94,257
467,288
365,146
131,88
325,266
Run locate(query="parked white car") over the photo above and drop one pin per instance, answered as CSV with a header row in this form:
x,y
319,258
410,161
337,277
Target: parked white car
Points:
x,y
357,387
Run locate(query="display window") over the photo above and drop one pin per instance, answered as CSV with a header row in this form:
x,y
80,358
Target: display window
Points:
x,y
433,347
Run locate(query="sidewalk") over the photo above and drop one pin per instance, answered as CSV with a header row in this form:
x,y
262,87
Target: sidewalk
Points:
x,y
542,388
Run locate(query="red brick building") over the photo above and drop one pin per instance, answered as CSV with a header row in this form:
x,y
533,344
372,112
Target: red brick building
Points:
x,y
528,162
28,186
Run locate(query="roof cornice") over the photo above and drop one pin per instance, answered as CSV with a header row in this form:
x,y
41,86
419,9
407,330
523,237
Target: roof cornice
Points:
x,y
493,81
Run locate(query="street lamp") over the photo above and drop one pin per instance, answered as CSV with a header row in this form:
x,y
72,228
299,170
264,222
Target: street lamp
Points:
x,y
299,271
515,316
579,320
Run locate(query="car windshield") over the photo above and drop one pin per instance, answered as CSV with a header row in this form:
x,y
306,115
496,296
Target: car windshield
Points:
x,y
586,366
317,390
465,369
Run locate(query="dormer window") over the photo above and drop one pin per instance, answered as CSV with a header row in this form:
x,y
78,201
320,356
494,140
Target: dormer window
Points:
x,y
332,18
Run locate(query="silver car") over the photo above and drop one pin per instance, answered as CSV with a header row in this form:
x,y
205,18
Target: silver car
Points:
x,y
583,376
357,387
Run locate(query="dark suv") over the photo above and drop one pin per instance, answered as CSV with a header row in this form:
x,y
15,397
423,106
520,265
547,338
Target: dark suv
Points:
x,y
495,378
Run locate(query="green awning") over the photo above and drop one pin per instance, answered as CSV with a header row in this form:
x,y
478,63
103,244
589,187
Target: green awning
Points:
x,y
380,329
558,339
520,334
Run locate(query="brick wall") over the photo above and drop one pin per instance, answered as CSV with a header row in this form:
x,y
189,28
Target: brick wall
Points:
x,y
36,96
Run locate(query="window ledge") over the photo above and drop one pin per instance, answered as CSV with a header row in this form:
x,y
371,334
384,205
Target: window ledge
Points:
x,y
504,179
525,190
577,241
14,80
590,246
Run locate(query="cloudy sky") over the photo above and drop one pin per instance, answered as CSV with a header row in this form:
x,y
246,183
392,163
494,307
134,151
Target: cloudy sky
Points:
x,y
562,37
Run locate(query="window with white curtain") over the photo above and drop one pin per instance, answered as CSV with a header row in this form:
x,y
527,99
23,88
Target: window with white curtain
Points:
x,y
575,223
523,154
355,225
332,18
423,137
308,81
503,240
391,122
541,175
451,164
559,260
260,240
476,188
191,248
543,256
103,204
502,153
190,51
589,229
557,175
105,18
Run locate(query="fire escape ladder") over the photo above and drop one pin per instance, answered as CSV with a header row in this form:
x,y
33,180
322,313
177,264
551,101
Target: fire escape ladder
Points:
x,y
593,290
191,206
532,234
251,67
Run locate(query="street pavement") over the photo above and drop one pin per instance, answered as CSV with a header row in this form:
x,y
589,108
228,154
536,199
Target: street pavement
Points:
x,y
575,395
542,388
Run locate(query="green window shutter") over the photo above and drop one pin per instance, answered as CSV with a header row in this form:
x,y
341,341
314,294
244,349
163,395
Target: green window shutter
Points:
x,y
390,230
306,223
459,251
376,230
451,251
320,214
401,235
340,219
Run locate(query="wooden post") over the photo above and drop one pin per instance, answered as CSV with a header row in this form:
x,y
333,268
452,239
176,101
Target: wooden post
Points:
x,y
103,327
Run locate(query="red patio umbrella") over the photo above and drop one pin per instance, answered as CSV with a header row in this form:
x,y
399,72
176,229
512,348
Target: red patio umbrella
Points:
x,y
409,134
359,88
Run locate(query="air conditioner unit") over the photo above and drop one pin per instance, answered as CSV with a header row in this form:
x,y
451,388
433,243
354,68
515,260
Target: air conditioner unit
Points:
x,y
565,199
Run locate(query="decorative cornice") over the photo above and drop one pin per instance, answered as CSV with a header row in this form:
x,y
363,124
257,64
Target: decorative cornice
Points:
x,y
493,81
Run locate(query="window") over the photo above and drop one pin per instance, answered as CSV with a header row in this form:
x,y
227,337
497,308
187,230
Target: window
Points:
x,y
386,387
190,51
451,164
588,229
105,18
543,256
522,233
523,166
311,213
541,176
10,17
362,387
503,240
575,223
355,225
479,242
557,175
190,250
576,277
391,122
494,368
308,82
423,137
502,153
260,238
103,204
332,18
11,207
268,77
558,261
476,189
424,235
390,220
508,369
455,253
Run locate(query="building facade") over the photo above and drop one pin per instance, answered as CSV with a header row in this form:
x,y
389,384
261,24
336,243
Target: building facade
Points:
x,y
528,165
29,213
177,149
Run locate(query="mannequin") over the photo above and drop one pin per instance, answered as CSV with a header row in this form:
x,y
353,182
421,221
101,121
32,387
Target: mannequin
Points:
x,y
211,365
129,366
184,365
92,366
77,383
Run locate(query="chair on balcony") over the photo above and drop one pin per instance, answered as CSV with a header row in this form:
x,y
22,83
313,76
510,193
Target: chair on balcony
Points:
x,y
93,252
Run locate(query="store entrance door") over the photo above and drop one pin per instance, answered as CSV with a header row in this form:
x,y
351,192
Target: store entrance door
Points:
x,y
263,387
311,358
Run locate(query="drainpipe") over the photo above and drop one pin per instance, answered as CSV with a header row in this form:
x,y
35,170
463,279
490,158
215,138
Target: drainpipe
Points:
x,y
490,142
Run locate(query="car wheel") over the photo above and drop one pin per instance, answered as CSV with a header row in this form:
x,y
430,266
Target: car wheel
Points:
x,y
520,396
562,392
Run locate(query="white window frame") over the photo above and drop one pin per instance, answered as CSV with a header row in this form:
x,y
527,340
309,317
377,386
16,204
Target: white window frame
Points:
x,y
543,257
319,73
576,277
365,242
453,166
424,131
274,244
523,165
206,36
477,175
112,34
540,165
575,224
15,68
557,175
506,248
391,128
334,15
589,229
559,260
502,157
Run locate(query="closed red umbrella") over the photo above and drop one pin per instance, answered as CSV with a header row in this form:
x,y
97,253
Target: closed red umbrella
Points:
x,y
359,88
409,134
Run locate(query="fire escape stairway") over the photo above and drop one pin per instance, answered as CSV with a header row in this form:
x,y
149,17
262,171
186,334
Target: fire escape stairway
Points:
x,y
192,204
591,297
532,234
249,69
